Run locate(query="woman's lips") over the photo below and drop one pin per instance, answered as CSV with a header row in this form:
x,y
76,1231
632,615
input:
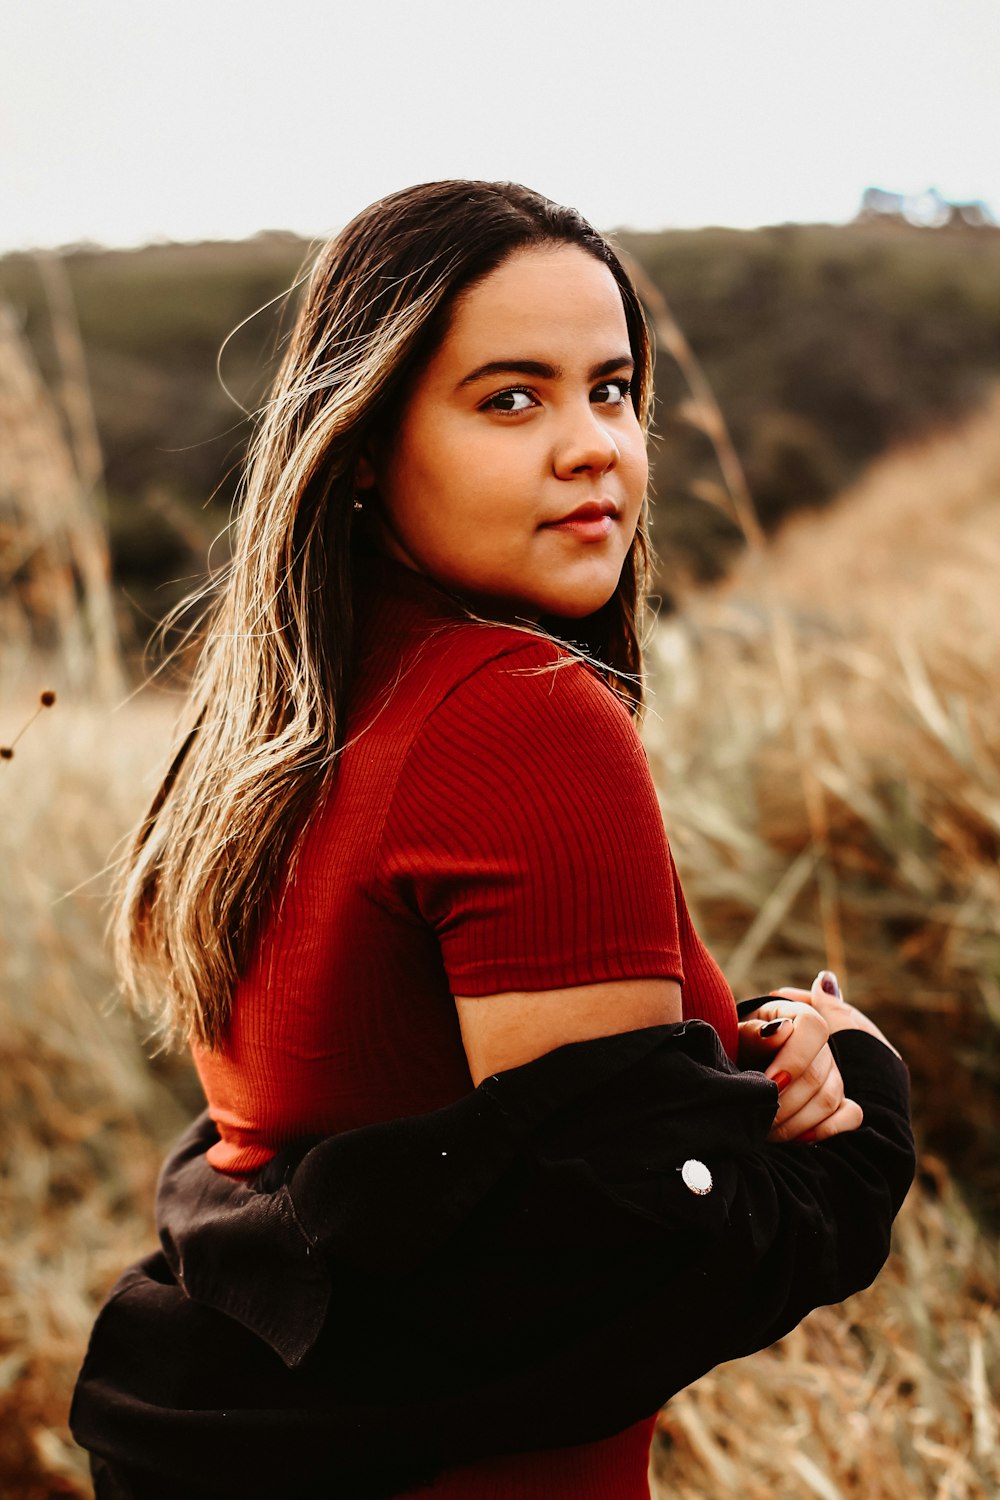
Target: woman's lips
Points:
x,y
590,528
586,522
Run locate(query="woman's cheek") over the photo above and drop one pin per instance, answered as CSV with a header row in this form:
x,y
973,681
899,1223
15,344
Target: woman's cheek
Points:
x,y
640,461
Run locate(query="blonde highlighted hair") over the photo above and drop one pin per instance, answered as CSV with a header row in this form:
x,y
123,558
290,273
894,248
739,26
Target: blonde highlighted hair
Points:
x,y
264,720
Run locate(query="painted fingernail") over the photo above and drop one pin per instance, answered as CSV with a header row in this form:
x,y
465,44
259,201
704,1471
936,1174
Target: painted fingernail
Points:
x,y
770,1027
782,1079
808,1135
828,984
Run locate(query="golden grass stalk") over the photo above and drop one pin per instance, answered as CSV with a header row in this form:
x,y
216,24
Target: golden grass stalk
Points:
x,y
54,556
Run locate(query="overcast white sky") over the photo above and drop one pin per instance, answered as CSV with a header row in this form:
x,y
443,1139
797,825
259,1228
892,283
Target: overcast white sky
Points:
x,y
123,121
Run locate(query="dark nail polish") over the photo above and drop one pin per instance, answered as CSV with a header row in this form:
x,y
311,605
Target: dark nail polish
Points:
x,y
770,1027
808,1135
828,983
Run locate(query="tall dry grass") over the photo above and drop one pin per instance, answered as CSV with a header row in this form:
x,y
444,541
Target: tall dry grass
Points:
x,y
54,555
891,604
77,1100
886,705
85,1115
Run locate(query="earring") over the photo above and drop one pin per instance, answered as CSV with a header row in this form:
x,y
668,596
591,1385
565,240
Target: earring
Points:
x,y
358,504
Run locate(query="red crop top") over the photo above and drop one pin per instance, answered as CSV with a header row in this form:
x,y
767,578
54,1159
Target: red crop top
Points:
x,y
492,826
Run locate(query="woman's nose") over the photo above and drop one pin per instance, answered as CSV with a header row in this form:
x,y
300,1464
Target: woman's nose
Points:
x,y
584,445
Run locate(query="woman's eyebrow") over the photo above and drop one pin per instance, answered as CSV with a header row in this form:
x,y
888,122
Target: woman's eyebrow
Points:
x,y
543,371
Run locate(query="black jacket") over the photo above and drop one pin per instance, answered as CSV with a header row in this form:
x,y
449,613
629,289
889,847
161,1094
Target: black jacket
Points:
x,y
536,1265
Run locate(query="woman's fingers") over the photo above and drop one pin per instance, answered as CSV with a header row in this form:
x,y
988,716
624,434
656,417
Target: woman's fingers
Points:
x,y
788,1039
847,1116
760,1039
815,1094
827,999
801,1044
764,1033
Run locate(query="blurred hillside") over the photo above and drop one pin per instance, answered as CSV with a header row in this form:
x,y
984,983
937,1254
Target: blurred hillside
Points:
x,y
824,345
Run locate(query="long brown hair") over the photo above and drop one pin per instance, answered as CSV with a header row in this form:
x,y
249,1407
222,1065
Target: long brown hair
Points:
x,y
264,721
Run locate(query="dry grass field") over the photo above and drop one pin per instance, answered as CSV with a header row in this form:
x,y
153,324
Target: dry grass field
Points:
x,y
825,733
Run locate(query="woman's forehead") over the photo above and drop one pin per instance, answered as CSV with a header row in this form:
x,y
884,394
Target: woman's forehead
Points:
x,y
539,299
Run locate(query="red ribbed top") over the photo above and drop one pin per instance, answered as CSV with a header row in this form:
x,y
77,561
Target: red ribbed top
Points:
x,y
492,826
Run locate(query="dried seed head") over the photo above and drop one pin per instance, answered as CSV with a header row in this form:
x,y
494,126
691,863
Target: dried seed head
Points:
x,y
46,698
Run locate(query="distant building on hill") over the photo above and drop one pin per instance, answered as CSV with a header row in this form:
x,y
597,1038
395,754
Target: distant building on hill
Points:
x,y
927,210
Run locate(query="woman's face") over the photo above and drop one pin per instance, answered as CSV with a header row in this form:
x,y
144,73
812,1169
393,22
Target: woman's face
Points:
x,y
520,418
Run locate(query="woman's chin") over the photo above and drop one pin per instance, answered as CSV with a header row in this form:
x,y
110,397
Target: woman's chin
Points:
x,y
563,600
579,603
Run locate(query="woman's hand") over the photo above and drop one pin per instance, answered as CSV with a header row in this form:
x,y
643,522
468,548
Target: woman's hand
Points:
x,y
839,1016
794,1053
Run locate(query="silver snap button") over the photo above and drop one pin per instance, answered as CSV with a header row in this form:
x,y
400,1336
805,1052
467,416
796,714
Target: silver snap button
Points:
x,y
696,1177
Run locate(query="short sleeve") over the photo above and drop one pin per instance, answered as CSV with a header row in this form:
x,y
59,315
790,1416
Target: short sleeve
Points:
x,y
526,831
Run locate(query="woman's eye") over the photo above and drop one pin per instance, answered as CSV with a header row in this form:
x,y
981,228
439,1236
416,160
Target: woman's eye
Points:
x,y
617,392
510,401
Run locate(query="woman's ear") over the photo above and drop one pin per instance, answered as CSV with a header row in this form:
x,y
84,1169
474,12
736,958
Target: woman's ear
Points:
x,y
364,473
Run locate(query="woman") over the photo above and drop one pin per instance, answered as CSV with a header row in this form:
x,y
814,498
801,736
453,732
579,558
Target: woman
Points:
x,y
411,842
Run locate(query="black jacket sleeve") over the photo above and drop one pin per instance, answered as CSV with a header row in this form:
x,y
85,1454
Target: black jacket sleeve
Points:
x,y
527,1268
596,1272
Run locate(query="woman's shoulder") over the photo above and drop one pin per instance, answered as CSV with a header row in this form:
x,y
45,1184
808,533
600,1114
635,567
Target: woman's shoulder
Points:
x,y
527,722
421,653
526,682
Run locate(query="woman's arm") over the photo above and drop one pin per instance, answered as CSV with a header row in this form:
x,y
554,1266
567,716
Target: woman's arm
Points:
x,y
648,1285
503,1031
579,1154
